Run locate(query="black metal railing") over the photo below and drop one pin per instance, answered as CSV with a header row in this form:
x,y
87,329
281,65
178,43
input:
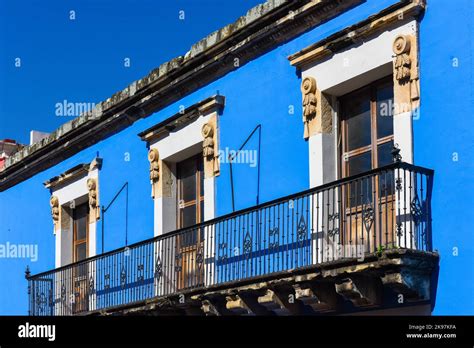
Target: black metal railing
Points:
x,y
381,209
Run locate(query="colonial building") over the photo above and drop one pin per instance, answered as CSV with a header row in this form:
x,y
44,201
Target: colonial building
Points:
x,y
282,166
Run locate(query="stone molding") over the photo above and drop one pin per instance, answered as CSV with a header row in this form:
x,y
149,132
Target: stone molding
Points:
x,y
67,178
405,74
308,89
73,174
357,33
317,112
210,148
154,159
55,212
94,206
181,119
160,173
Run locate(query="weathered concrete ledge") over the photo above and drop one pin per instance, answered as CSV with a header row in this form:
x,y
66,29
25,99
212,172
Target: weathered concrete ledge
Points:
x,y
260,30
394,279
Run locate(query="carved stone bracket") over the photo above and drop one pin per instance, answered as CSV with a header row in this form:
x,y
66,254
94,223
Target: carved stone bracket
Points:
x,y
54,203
308,89
210,148
317,116
154,159
405,74
93,188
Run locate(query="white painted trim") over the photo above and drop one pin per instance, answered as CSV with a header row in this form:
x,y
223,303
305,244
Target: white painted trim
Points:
x,y
342,73
72,192
403,135
339,74
322,164
349,70
175,147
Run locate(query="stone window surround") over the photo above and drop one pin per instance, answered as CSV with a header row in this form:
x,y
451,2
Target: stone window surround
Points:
x,y
346,71
70,189
347,61
177,139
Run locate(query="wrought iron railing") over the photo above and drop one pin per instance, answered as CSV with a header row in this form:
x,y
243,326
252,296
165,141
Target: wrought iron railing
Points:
x,y
381,209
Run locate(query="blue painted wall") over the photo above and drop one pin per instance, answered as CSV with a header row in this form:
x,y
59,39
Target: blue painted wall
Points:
x,y
444,141
261,91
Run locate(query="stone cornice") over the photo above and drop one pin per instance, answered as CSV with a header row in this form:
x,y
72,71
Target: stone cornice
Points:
x,y
73,174
356,33
260,30
180,119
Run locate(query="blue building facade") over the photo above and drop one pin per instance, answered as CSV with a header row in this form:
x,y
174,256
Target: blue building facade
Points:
x,y
348,49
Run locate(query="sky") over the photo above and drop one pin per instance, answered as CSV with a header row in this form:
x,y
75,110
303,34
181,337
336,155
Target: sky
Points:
x,y
83,51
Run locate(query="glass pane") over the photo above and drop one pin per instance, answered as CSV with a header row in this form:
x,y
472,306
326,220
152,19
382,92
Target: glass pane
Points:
x,y
357,114
386,184
188,238
188,216
360,192
188,188
201,175
386,179
359,163
80,219
187,177
385,111
202,212
384,154
81,252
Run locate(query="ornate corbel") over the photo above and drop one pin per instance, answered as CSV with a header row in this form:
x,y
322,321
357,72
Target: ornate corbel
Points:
x,y
401,48
154,159
405,73
210,151
54,203
317,111
92,187
308,89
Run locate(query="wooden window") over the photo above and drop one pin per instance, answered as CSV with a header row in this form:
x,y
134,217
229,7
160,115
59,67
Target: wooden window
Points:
x,y
190,191
367,128
367,142
81,232
190,210
80,244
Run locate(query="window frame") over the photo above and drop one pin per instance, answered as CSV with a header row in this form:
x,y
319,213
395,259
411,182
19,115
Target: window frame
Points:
x,y
199,198
76,242
375,142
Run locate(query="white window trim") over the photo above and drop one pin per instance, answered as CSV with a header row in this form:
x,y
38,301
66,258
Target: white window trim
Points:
x,y
347,71
67,195
177,146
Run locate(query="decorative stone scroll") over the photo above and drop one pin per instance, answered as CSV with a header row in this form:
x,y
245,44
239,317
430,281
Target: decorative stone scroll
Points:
x,y
54,203
308,88
317,116
210,149
94,206
154,159
405,74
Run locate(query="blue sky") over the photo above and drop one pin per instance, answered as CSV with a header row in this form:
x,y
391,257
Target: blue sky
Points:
x,y
82,60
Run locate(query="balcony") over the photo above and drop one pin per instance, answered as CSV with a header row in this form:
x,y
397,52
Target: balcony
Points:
x,y
344,242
